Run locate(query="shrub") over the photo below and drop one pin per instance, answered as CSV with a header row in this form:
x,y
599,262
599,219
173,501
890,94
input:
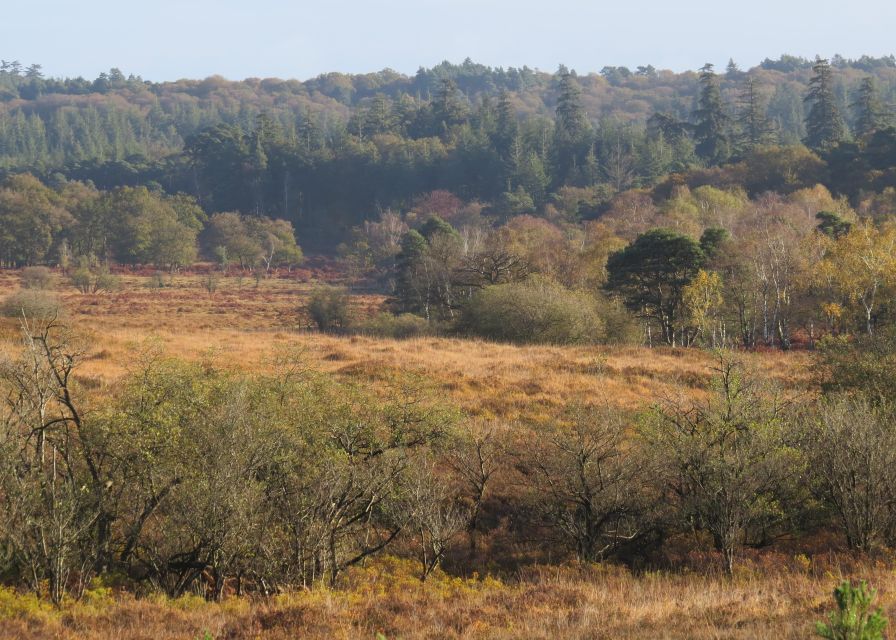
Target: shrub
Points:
x,y
210,282
535,311
387,325
93,279
863,363
157,281
36,278
853,619
30,303
329,308
621,326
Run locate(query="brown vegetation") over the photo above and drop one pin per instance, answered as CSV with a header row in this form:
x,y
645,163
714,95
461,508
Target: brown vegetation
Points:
x,y
242,326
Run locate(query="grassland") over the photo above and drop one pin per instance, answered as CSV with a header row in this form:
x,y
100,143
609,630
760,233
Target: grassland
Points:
x,y
245,325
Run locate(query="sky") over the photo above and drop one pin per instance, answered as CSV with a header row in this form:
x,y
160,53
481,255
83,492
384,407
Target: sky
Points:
x,y
171,39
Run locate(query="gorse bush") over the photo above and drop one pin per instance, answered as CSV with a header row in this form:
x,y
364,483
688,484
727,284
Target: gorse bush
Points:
x,y
535,311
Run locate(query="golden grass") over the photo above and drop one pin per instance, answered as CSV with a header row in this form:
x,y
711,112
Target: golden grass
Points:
x,y
547,603
244,326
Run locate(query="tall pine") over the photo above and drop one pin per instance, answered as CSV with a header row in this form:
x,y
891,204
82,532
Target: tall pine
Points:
x,y
572,130
754,129
824,124
868,109
710,121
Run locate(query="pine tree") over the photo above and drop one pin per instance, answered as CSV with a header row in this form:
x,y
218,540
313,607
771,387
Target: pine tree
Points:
x,y
868,108
732,70
711,122
507,127
448,108
824,124
571,130
754,127
378,117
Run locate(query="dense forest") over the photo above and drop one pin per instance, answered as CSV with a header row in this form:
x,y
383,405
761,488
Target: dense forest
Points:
x,y
329,153
646,206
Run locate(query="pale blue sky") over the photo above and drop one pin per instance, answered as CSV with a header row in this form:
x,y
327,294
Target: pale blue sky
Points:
x,y
170,39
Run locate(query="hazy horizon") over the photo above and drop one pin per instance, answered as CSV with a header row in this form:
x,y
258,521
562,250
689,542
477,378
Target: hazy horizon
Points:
x,y
200,38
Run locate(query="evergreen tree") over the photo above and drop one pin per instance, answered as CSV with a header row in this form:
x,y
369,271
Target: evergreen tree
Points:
x,y
711,122
732,70
754,127
824,124
868,108
507,127
378,117
448,108
572,130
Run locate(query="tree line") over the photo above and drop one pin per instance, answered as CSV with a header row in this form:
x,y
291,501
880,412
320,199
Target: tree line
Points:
x,y
509,138
73,223
707,267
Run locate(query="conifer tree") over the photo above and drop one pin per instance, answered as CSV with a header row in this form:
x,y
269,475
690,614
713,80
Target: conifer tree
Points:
x,y
506,127
572,130
711,122
868,108
754,127
824,124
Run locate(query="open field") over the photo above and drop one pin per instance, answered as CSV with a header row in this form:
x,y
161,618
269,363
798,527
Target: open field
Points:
x,y
245,325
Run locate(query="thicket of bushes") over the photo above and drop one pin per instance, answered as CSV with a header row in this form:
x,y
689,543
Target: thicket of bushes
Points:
x,y
188,477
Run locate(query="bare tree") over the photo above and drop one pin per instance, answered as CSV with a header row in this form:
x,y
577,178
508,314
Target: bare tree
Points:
x,y
475,457
851,448
724,463
434,515
52,488
586,486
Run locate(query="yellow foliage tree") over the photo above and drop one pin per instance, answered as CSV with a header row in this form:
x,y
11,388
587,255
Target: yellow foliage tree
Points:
x,y
860,264
703,299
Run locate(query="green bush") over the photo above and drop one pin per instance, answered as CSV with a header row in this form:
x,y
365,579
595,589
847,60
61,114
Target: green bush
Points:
x,y
387,325
93,279
853,619
329,308
534,311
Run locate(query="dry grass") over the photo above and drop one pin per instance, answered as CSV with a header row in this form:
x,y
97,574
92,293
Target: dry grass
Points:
x,y
244,326
572,603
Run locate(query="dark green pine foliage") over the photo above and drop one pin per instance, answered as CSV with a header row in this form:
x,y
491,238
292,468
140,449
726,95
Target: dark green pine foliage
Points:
x,y
448,107
867,108
651,273
824,123
572,131
411,292
711,123
506,127
753,126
